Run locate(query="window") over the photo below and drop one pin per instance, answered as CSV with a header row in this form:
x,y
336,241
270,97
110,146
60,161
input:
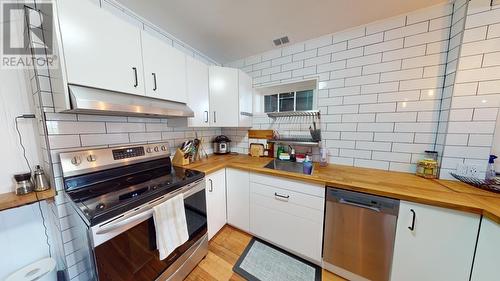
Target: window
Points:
x,y
293,101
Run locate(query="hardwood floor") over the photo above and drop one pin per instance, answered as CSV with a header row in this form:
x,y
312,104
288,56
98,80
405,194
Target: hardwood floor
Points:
x,y
224,250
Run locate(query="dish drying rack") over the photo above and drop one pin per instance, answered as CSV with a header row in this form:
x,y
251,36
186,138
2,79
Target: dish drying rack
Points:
x,y
301,140
490,185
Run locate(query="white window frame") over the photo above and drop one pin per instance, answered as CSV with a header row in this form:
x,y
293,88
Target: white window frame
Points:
x,y
314,105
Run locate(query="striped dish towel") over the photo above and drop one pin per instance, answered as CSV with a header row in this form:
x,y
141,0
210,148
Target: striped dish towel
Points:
x,y
170,225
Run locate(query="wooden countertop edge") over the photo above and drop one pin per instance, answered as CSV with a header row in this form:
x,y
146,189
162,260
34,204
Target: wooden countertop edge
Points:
x,y
11,200
462,199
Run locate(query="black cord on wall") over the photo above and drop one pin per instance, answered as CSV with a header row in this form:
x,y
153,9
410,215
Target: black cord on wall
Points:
x,y
32,116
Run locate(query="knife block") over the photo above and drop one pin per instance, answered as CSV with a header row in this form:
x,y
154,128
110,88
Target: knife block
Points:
x,y
179,159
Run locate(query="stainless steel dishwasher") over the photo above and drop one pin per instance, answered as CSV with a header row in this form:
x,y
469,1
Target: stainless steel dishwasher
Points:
x,y
359,234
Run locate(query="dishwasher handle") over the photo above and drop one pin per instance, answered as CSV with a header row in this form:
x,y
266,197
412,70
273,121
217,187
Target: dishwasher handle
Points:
x,y
360,205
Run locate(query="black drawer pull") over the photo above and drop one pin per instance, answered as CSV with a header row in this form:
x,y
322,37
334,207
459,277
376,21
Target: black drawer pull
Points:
x,y
281,196
412,227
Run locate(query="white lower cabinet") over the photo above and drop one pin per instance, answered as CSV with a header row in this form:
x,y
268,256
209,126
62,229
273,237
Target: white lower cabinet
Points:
x,y
433,244
216,202
238,198
487,257
288,213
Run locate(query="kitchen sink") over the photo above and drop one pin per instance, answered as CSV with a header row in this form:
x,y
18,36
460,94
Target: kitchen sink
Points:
x,y
287,166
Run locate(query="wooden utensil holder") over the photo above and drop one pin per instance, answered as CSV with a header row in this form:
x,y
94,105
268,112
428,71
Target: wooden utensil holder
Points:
x,y
179,159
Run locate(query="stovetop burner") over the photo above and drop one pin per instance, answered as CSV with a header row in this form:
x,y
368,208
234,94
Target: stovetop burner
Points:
x,y
103,200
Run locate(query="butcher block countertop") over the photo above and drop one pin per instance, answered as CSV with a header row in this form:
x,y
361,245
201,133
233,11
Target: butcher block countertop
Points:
x,y
11,200
403,186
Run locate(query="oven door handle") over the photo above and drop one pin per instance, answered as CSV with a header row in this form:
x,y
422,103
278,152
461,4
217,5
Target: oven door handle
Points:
x,y
124,222
147,212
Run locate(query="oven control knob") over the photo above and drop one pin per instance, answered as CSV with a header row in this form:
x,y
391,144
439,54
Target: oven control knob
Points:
x,y
91,158
77,160
163,148
149,150
157,149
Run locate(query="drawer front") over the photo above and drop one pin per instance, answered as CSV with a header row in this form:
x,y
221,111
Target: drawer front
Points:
x,y
295,234
293,185
274,197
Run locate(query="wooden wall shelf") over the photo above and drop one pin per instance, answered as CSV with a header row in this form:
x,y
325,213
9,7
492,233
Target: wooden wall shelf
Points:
x,y
11,200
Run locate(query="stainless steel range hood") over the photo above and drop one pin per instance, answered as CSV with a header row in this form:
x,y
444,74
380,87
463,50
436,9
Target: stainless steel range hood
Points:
x,y
97,101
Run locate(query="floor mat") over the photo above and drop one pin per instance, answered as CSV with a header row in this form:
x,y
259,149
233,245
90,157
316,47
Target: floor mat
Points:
x,y
262,261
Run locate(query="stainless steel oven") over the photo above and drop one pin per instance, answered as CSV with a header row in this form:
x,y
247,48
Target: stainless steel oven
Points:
x,y
114,193
125,246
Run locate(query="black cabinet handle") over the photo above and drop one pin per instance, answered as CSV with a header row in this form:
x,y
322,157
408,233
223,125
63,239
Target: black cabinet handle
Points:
x,y
215,117
206,116
281,196
154,82
136,82
412,227
211,185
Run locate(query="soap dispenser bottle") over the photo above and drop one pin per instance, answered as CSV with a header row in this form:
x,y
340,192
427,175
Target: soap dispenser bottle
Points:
x,y
490,171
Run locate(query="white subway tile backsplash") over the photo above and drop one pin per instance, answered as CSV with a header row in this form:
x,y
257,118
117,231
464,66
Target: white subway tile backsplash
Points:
x,y
342,46
282,60
304,55
440,23
362,80
63,141
475,127
397,117
481,74
428,37
407,30
382,67
404,53
384,46
475,34
379,107
104,139
382,165
428,60
481,140
352,53
331,66
491,59
366,40
399,75
364,60
485,114
125,127
394,137
69,128
480,47
349,72
425,83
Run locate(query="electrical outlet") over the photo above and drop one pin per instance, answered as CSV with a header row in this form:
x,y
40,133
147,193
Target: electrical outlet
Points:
x,y
468,170
473,171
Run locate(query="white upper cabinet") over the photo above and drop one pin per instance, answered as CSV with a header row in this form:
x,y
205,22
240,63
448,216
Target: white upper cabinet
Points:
x,y
164,70
246,99
100,49
197,92
433,243
487,252
230,97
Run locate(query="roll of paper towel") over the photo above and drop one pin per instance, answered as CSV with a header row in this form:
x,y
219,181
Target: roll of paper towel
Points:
x,y
33,271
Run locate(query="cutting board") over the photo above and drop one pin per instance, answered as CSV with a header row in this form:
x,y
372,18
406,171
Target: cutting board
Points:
x,y
256,149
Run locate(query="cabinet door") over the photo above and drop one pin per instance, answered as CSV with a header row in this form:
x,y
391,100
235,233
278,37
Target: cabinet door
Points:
x,y
487,252
100,49
245,99
224,96
439,248
216,202
164,70
197,92
238,198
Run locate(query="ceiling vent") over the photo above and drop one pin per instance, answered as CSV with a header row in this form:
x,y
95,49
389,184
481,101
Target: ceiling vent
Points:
x,y
281,41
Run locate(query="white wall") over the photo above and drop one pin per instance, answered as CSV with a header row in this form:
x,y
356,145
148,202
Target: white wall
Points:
x,y
22,240
380,87
15,100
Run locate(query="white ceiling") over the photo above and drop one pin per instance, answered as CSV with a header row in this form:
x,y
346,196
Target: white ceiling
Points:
x,y
227,30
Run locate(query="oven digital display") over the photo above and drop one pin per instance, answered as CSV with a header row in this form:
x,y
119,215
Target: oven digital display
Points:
x,y
128,152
